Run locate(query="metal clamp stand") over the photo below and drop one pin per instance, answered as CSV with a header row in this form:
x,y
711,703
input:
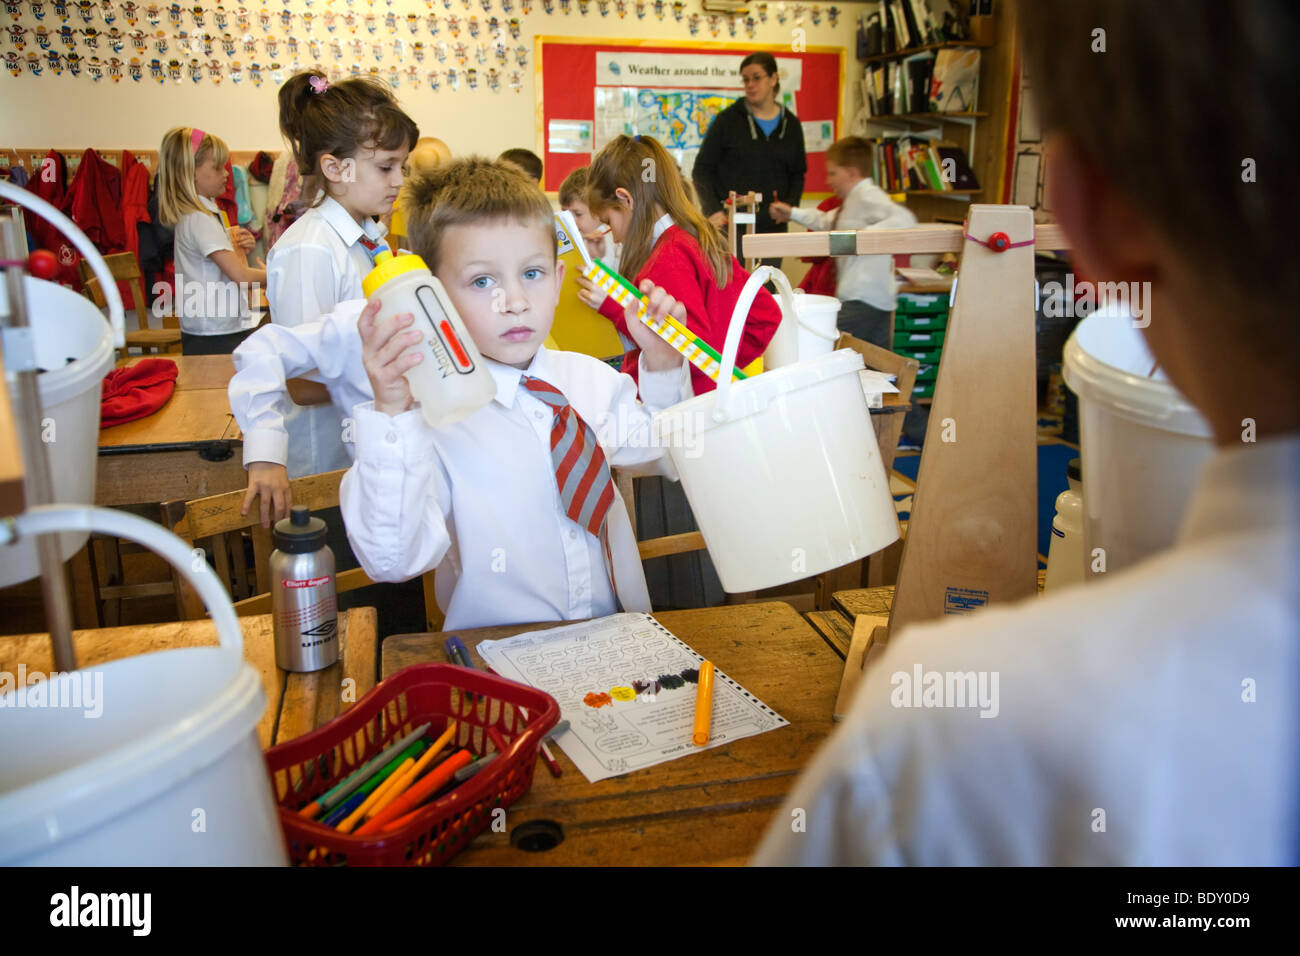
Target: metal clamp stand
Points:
x,y
19,359
748,218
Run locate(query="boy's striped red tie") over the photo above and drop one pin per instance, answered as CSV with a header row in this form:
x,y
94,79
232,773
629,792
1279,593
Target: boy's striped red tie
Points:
x,y
581,472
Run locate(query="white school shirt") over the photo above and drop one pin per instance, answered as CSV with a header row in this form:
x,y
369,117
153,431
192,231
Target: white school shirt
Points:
x,y
478,499
207,303
868,279
318,263
274,353
1147,720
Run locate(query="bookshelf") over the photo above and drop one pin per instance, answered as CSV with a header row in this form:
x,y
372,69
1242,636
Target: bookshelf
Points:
x,y
925,47
986,152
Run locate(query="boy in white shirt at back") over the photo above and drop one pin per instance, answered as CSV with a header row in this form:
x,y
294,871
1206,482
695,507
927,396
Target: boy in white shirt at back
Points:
x,y
864,285
479,499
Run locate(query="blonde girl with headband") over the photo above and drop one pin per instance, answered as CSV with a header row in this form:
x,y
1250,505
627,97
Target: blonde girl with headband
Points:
x,y
350,141
214,283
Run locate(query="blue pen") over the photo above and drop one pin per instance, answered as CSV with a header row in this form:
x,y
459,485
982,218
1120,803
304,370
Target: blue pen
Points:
x,y
455,649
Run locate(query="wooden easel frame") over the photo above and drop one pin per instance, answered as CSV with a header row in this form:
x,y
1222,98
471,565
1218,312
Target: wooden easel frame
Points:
x,y
742,211
972,534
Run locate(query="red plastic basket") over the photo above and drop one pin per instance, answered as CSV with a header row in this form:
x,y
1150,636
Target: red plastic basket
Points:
x,y
305,768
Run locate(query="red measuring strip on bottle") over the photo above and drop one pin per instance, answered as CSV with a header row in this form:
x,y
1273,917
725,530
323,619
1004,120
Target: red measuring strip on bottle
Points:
x,y
458,352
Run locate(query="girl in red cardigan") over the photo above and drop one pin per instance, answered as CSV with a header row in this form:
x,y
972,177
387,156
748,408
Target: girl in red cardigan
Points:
x,y
635,187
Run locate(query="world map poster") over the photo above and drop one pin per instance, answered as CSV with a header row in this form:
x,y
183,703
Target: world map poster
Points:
x,y
677,118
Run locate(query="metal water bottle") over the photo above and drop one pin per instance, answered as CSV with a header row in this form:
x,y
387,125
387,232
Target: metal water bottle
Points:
x,y
303,608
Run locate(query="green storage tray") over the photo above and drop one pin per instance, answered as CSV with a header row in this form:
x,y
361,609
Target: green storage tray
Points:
x,y
923,390
922,302
927,373
917,339
921,321
924,356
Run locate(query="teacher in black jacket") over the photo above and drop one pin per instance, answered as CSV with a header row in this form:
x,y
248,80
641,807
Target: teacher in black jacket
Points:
x,y
754,144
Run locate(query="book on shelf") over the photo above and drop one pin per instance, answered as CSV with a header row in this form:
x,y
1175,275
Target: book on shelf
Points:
x,y
952,160
918,69
872,34
954,87
909,163
890,26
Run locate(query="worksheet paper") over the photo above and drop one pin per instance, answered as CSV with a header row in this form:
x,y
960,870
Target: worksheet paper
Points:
x,y
619,682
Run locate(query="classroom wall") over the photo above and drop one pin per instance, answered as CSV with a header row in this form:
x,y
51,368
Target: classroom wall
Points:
x,y
66,111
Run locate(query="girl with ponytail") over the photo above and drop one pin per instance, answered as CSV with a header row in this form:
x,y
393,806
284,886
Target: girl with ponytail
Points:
x,y
634,185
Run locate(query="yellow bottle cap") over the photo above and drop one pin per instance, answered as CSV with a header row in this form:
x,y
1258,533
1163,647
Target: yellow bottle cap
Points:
x,y
389,266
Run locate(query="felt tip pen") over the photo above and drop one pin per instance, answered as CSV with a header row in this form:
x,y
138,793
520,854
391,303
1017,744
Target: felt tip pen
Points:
x,y
456,650
544,751
417,794
340,792
402,783
703,705
344,809
464,773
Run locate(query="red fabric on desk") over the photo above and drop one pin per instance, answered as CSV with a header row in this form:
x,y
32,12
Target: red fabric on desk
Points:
x,y
136,391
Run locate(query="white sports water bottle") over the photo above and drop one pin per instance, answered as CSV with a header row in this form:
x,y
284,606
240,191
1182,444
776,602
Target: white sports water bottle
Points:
x,y
1065,558
451,382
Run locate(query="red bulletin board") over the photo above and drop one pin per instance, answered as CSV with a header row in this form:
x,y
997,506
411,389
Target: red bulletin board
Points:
x,y
566,79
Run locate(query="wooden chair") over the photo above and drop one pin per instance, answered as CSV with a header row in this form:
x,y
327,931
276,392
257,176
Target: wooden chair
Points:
x,y
126,268
216,519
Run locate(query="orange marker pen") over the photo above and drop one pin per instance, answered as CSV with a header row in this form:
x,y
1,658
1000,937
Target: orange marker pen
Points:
x,y
703,704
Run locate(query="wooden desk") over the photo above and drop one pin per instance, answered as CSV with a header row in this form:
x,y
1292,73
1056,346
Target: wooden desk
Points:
x,y
297,703
709,808
189,448
836,625
194,371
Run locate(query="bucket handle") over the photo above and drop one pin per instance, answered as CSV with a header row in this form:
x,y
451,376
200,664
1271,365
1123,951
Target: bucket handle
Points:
x,y
739,315
47,519
116,314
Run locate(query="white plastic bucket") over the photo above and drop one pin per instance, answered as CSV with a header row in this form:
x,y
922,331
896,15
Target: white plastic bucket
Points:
x,y
807,330
64,326
783,474
170,771
1142,442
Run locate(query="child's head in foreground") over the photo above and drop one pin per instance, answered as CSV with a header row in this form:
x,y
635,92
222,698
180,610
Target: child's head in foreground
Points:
x,y
488,233
848,162
1168,162
526,160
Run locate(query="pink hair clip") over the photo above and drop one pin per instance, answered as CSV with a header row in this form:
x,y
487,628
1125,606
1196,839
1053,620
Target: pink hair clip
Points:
x,y
319,84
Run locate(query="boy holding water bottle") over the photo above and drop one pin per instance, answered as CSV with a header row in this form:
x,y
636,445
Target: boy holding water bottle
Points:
x,y
513,504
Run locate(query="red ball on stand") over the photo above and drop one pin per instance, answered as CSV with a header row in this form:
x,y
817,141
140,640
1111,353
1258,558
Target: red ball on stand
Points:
x,y
43,264
999,242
